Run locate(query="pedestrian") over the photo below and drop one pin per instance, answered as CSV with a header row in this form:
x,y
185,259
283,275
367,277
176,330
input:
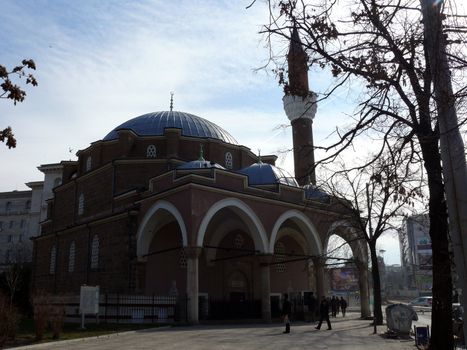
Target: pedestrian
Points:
x,y
333,306
312,307
343,306
324,313
286,310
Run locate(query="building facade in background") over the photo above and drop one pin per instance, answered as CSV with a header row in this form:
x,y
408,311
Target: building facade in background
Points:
x,y
21,213
416,254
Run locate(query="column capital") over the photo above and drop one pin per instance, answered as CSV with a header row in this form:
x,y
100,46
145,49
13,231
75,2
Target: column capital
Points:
x,y
192,252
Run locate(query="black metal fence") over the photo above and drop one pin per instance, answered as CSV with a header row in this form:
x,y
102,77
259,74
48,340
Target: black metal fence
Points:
x,y
125,308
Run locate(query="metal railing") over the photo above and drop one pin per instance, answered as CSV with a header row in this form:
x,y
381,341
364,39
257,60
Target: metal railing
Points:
x,y
126,308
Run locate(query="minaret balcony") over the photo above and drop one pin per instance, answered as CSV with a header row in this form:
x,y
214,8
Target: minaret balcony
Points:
x,y
300,107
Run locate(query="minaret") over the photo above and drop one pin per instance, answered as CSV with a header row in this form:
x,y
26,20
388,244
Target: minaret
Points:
x,y
300,107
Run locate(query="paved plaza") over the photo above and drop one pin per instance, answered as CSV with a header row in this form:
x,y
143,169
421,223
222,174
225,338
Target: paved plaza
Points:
x,y
347,333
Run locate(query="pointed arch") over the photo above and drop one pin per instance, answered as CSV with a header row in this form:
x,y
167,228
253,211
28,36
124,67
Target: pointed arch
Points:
x,y
247,214
305,225
145,234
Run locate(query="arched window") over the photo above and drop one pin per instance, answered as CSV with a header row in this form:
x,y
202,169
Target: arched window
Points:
x,y
238,241
71,257
8,206
151,151
228,160
81,204
53,260
27,205
279,249
57,182
88,163
95,252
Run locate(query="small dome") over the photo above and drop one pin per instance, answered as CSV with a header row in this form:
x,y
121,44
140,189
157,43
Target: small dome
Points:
x,y
267,174
154,124
313,192
200,164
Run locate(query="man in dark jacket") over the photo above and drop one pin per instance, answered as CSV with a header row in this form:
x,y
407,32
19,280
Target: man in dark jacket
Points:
x,y
286,310
324,313
343,306
312,306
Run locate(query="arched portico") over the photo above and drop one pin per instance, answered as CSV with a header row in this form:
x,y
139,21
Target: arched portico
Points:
x,y
306,228
158,215
358,245
247,215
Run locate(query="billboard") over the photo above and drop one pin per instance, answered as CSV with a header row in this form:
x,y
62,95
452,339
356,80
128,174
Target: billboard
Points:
x,y
344,279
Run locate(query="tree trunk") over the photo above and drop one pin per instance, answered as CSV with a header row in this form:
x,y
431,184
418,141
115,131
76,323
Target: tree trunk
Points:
x,y
378,314
441,316
452,146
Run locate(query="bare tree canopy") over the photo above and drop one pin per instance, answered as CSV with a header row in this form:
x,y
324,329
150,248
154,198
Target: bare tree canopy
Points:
x,y
381,46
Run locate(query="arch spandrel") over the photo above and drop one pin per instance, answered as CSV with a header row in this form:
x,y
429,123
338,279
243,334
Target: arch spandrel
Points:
x,y
159,214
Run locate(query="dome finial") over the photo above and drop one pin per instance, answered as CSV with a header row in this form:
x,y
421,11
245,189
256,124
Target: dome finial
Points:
x,y
201,152
171,100
259,156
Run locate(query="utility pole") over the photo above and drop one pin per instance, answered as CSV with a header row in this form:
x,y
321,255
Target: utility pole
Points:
x,y
452,146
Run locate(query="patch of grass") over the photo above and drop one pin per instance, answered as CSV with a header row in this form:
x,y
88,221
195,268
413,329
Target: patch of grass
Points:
x,y
26,334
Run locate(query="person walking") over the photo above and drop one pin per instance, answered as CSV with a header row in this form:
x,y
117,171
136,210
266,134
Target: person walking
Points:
x,y
333,306
312,307
343,304
286,310
324,313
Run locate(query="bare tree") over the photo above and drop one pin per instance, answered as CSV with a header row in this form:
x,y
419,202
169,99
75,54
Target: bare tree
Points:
x,y
382,45
14,273
14,92
377,198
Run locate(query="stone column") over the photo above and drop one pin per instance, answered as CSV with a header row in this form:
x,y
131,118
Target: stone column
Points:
x,y
192,254
265,288
364,291
318,264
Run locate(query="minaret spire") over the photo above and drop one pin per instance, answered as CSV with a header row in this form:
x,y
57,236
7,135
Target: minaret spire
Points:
x,y
171,100
300,107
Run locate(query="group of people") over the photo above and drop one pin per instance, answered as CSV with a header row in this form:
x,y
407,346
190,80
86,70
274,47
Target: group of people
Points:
x,y
334,303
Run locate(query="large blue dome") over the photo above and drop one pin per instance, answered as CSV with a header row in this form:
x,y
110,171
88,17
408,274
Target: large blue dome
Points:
x,y
153,124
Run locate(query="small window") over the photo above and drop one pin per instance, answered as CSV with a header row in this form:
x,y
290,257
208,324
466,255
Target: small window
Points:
x,y
81,204
88,163
238,241
10,238
95,252
20,238
28,205
12,224
151,152
21,225
228,160
182,259
279,249
8,206
71,257
53,260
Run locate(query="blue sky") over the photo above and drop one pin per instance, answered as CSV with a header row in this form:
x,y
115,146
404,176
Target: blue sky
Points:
x,y
100,63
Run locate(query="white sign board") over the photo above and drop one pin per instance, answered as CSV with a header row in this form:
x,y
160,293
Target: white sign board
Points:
x,y
89,300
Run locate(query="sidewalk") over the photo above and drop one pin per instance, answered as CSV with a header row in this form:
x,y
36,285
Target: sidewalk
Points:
x,y
347,334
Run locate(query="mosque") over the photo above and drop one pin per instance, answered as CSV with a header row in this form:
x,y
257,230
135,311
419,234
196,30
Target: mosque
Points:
x,y
170,201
